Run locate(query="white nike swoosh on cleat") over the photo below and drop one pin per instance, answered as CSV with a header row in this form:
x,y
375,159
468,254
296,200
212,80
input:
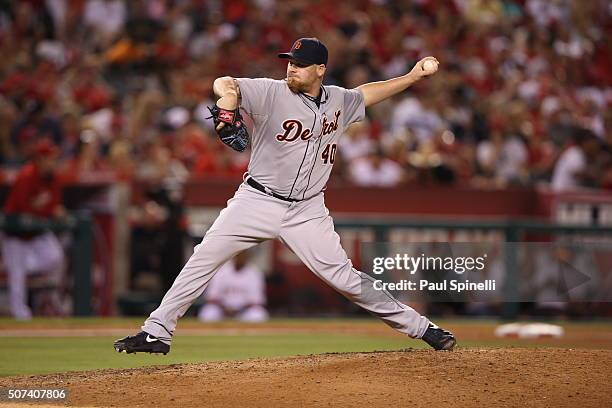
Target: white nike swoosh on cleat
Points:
x,y
150,339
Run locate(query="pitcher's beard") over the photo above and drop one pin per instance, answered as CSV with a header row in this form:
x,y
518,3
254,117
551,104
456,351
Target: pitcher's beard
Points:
x,y
295,86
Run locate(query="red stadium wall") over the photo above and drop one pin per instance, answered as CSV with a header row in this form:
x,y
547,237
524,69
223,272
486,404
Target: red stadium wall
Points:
x,y
411,201
441,201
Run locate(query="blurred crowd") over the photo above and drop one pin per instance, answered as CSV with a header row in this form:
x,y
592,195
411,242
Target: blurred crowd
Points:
x,y
121,87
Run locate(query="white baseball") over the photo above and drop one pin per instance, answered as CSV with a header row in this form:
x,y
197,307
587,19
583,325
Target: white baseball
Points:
x,y
430,65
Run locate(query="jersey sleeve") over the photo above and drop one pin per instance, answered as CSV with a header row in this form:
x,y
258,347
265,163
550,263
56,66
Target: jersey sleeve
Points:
x,y
19,195
254,94
354,106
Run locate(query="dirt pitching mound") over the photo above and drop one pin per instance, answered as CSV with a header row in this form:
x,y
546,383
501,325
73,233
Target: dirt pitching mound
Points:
x,y
410,378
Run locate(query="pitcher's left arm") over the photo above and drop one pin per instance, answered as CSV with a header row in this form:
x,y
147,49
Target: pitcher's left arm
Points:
x,y
374,92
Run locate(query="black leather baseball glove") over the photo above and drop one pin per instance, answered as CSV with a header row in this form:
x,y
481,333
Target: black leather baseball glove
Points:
x,y
234,133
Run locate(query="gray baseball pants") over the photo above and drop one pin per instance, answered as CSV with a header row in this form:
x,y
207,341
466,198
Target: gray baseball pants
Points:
x,y
307,229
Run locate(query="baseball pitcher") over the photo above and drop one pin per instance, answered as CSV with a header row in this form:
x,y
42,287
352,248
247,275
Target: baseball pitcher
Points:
x,y
297,126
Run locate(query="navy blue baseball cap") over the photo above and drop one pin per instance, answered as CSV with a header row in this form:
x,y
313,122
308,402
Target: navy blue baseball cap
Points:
x,y
307,51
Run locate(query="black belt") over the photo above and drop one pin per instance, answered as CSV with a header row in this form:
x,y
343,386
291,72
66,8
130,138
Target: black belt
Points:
x,y
251,182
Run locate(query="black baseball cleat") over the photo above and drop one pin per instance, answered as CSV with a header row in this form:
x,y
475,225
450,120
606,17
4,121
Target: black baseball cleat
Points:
x,y
143,342
439,338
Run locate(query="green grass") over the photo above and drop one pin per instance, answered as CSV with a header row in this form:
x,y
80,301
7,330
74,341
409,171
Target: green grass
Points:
x,y
26,355
41,355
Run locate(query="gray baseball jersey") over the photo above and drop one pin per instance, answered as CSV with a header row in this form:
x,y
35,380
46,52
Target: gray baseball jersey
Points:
x,y
294,147
294,141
